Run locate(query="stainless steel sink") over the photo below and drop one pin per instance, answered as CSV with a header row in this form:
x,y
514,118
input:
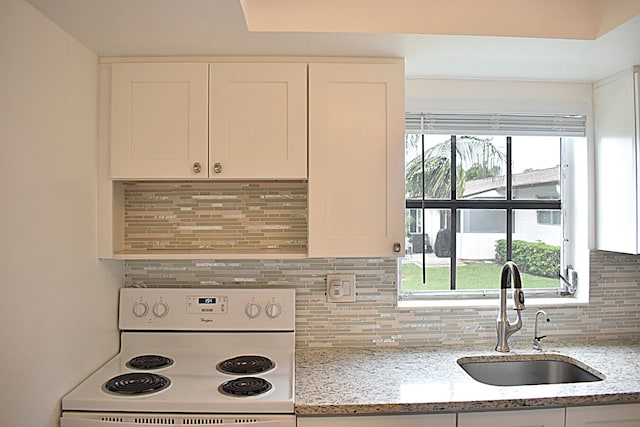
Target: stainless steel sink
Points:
x,y
516,370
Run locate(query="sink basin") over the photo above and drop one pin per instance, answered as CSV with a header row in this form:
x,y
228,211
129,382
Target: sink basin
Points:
x,y
516,370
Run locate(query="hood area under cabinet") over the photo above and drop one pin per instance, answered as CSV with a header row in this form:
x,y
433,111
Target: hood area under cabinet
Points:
x,y
214,217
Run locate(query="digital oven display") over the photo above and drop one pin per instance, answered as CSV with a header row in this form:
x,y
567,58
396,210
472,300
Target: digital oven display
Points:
x,y
197,304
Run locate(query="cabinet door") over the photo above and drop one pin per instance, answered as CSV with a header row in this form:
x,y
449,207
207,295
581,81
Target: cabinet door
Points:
x,y
418,420
158,120
616,108
356,167
604,416
258,121
515,418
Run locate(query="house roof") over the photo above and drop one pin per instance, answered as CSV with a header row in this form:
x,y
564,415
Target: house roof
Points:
x,y
532,178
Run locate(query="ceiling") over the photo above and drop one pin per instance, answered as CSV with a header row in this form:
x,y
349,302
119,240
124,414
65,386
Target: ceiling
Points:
x,y
530,43
572,19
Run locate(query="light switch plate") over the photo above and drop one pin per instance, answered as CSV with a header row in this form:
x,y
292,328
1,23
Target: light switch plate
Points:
x,y
341,287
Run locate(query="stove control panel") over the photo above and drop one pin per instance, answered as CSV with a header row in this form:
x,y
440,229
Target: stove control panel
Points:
x,y
207,309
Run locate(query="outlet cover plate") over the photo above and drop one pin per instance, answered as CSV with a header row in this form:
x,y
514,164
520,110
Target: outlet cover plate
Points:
x,y
341,287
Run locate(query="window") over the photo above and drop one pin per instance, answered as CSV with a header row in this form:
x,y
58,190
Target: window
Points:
x,y
481,221
503,200
414,221
549,217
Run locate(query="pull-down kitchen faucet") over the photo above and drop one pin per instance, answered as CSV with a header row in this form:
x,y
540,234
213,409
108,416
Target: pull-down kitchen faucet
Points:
x,y
504,328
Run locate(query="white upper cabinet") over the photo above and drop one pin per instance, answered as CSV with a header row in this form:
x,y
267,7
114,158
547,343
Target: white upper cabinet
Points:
x,y
200,121
617,135
356,160
337,123
158,120
258,121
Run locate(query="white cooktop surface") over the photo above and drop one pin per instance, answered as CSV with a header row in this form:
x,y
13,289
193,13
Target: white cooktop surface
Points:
x,y
194,377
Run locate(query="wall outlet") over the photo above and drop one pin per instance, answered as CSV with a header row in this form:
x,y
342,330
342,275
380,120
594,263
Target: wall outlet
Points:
x,y
341,287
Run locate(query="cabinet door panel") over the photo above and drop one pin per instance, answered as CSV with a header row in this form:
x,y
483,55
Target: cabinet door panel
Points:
x,y
258,120
616,145
516,418
604,416
356,169
418,420
158,120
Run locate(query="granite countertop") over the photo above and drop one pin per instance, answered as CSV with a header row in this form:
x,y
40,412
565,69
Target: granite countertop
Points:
x,y
341,381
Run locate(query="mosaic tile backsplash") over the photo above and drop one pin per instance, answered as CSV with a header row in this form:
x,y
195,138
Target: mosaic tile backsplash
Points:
x,y
375,320
224,216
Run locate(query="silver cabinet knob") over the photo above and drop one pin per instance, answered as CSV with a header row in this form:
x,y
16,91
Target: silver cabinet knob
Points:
x,y
197,167
217,167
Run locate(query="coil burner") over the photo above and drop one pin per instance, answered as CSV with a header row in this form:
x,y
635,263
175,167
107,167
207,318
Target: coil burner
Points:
x,y
246,365
245,386
137,383
149,361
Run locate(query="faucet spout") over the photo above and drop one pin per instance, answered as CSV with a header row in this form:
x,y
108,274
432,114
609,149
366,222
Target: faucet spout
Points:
x,y
510,274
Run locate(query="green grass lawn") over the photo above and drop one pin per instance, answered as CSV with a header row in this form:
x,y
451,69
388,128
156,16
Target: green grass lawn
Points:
x,y
470,276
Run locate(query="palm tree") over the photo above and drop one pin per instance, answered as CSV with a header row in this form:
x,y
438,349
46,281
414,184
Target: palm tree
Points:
x,y
476,158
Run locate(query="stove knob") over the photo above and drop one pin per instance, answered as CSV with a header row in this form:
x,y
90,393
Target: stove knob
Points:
x,y
252,310
273,310
160,309
140,309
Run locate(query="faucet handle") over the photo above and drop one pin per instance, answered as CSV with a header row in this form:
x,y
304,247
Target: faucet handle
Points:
x,y
518,299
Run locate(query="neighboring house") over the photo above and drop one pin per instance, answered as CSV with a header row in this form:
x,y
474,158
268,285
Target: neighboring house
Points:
x,y
478,230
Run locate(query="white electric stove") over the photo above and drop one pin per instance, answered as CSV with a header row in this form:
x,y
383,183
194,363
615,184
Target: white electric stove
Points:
x,y
194,357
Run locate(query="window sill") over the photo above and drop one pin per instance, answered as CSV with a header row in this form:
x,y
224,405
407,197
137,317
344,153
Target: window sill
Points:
x,y
490,303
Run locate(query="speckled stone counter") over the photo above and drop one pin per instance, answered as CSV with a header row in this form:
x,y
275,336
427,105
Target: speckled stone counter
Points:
x,y
341,381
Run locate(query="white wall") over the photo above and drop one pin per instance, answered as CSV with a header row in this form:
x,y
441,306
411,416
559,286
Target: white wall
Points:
x,y
497,96
57,302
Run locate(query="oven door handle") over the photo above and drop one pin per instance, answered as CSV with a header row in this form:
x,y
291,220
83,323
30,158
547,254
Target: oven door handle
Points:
x,y
80,422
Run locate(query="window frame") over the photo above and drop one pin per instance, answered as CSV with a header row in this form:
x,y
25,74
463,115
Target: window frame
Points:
x,y
455,205
575,164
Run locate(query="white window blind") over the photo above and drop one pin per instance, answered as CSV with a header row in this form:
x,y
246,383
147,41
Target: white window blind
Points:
x,y
496,124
